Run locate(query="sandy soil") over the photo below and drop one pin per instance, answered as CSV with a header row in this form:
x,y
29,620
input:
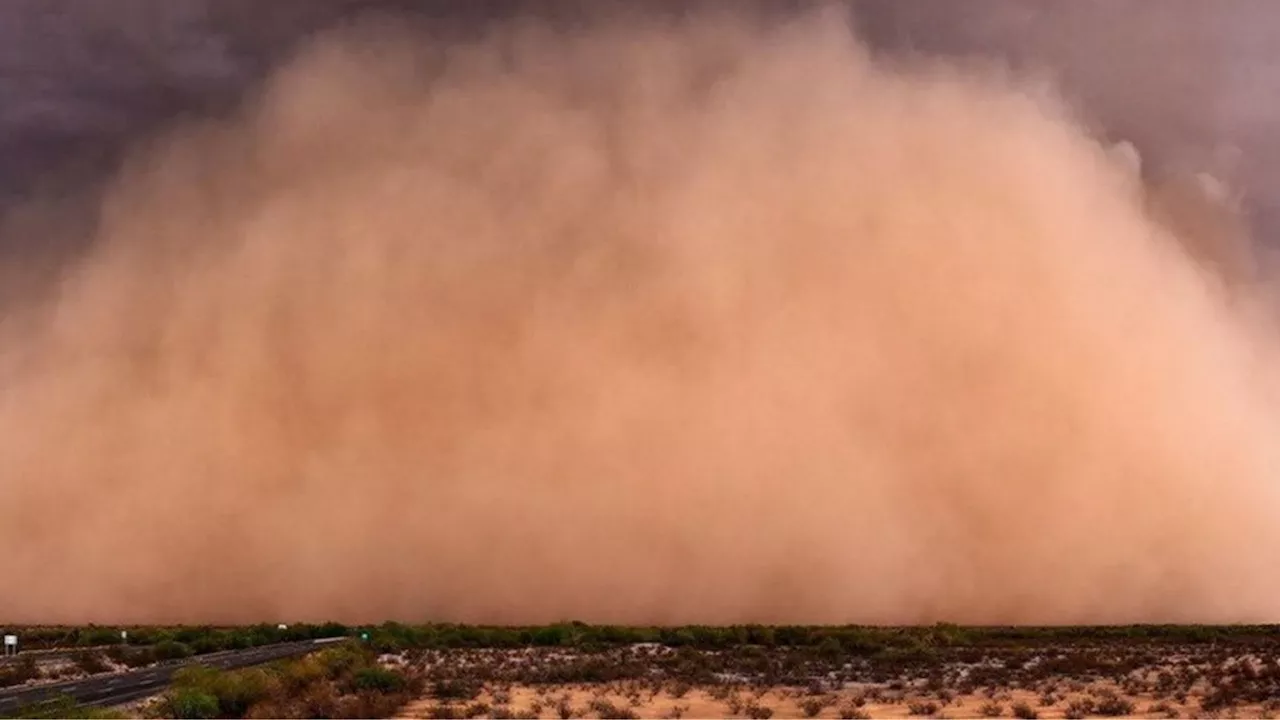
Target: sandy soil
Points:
x,y
790,702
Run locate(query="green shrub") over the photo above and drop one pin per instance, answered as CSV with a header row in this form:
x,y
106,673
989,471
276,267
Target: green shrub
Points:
x,y
98,636
379,679
190,635
320,701
831,649
234,692
195,676
238,691
192,703
171,650
339,660
551,636
206,644
336,682
301,673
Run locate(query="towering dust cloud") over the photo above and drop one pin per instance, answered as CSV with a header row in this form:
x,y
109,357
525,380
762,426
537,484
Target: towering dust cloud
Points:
x,y
656,321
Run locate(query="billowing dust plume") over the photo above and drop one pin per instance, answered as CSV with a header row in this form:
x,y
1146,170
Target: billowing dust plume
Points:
x,y
645,321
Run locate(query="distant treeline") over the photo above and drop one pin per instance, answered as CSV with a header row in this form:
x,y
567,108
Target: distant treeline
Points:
x,y
858,640
197,638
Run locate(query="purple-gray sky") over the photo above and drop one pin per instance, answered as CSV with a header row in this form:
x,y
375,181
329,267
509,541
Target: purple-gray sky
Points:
x,y
1183,78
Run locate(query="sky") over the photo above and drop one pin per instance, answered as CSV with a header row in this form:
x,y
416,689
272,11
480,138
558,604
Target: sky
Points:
x,y
78,81
1192,83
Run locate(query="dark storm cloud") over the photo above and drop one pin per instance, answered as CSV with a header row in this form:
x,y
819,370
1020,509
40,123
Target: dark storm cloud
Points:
x,y
1182,78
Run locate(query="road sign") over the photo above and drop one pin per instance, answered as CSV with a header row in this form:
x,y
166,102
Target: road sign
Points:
x,y
124,635
10,644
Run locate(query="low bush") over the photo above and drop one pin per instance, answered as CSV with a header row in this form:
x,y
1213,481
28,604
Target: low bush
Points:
x,y
234,692
191,704
1023,711
336,682
90,663
136,657
812,707
1112,705
456,689
608,711
380,679
922,709
171,650
1077,709
20,672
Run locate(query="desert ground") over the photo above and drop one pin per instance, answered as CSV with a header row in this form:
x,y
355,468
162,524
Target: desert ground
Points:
x,y
574,670
545,702
1087,676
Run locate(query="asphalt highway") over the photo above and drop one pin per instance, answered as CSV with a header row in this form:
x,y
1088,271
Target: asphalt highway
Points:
x,y
120,688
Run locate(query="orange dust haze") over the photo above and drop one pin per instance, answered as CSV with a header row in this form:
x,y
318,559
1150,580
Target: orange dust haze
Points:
x,y
711,319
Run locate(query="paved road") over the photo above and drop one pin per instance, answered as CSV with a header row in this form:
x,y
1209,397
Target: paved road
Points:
x,y
119,688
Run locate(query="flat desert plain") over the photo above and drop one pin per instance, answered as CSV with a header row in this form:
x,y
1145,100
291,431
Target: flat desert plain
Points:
x,y
1236,678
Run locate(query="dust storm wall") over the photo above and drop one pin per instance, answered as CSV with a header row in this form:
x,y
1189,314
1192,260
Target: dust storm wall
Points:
x,y
625,322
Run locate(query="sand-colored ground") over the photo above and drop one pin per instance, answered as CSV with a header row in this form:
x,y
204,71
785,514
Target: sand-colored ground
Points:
x,y
585,702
